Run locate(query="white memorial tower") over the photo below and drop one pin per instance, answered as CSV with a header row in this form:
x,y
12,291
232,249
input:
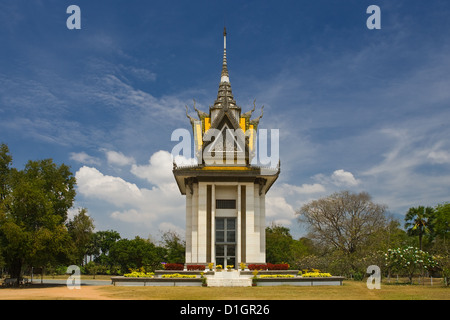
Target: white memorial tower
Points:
x,y
225,193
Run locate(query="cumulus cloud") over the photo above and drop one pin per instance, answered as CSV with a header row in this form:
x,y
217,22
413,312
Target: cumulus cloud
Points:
x,y
278,210
158,171
118,158
143,207
92,183
339,178
344,178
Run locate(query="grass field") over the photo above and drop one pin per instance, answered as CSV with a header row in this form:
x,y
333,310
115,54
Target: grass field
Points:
x,y
351,290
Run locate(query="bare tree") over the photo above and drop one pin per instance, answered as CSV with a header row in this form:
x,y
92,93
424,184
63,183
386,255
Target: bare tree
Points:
x,y
344,220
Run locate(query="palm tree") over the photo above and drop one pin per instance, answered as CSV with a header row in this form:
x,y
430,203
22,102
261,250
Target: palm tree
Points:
x,y
418,222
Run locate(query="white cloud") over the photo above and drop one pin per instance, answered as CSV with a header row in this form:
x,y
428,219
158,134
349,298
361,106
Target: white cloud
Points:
x,y
159,169
144,208
84,158
279,210
344,178
92,183
308,188
118,158
339,178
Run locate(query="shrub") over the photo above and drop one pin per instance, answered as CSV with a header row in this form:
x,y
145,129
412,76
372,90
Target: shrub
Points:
x,y
316,274
195,267
277,276
139,273
173,266
279,266
179,276
269,266
409,260
257,266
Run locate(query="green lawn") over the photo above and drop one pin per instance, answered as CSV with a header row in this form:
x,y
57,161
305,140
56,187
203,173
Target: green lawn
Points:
x,y
351,290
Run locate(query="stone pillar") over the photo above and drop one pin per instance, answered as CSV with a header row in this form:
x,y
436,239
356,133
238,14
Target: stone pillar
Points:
x,y
262,225
202,225
238,227
213,224
194,227
188,235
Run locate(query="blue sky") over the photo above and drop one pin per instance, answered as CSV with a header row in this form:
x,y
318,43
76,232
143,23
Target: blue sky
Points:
x,y
357,109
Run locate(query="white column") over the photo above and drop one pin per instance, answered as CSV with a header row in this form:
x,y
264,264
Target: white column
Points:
x,y
213,224
202,230
262,225
188,227
194,219
238,227
251,243
257,224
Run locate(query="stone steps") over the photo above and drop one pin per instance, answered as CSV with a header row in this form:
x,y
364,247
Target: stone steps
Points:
x,y
228,279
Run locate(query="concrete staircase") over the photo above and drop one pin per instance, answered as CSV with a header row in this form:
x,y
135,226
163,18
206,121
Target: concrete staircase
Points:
x,y
226,278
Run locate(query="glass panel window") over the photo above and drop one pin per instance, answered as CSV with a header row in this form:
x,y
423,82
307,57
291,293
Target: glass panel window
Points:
x,y
220,236
231,236
231,224
226,241
220,250
231,251
220,224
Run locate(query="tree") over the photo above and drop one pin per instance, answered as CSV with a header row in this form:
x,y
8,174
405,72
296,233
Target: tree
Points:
x,y
279,244
344,221
135,253
175,247
5,168
34,210
441,221
102,241
81,230
418,222
281,247
409,260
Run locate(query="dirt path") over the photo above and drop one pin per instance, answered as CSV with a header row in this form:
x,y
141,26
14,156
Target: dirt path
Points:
x,y
54,293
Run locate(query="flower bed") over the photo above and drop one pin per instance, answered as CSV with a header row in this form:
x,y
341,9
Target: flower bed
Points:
x,y
179,276
316,274
173,266
195,267
269,266
276,276
135,274
139,273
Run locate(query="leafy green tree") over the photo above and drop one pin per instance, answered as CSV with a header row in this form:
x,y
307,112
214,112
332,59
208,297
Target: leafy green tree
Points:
x,y
5,168
418,222
281,247
279,244
441,221
81,230
135,254
34,207
102,241
175,247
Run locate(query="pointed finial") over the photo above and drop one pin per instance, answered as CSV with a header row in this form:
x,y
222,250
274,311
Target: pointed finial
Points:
x,y
224,76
